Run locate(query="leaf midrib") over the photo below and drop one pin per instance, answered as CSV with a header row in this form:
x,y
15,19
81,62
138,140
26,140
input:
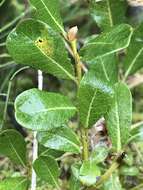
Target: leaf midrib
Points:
x,y
133,62
90,108
119,146
58,25
115,50
61,67
110,13
53,109
100,43
19,158
55,182
107,43
104,69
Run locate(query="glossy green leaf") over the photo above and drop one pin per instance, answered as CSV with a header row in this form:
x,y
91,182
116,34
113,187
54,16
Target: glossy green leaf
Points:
x,y
116,39
47,169
129,171
49,12
120,117
95,97
113,183
99,154
63,139
16,183
105,67
108,13
89,173
41,111
35,44
12,145
134,54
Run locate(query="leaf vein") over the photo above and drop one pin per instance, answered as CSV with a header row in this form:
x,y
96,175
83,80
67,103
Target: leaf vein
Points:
x,y
90,108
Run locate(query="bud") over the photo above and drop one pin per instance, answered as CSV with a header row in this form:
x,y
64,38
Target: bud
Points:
x,y
72,33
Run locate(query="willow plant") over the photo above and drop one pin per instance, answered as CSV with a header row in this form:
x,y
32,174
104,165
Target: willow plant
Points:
x,y
41,42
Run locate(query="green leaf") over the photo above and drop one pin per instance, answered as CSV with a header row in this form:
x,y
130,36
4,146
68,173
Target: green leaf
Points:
x,y
129,171
43,151
35,44
74,183
134,57
49,12
47,169
63,139
137,134
41,111
12,145
105,67
95,97
120,117
113,183
116,39
16,183
89,173
107,13
75,168
99,154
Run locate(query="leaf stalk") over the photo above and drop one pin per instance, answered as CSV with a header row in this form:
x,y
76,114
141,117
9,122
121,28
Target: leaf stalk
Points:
x,y
84,131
